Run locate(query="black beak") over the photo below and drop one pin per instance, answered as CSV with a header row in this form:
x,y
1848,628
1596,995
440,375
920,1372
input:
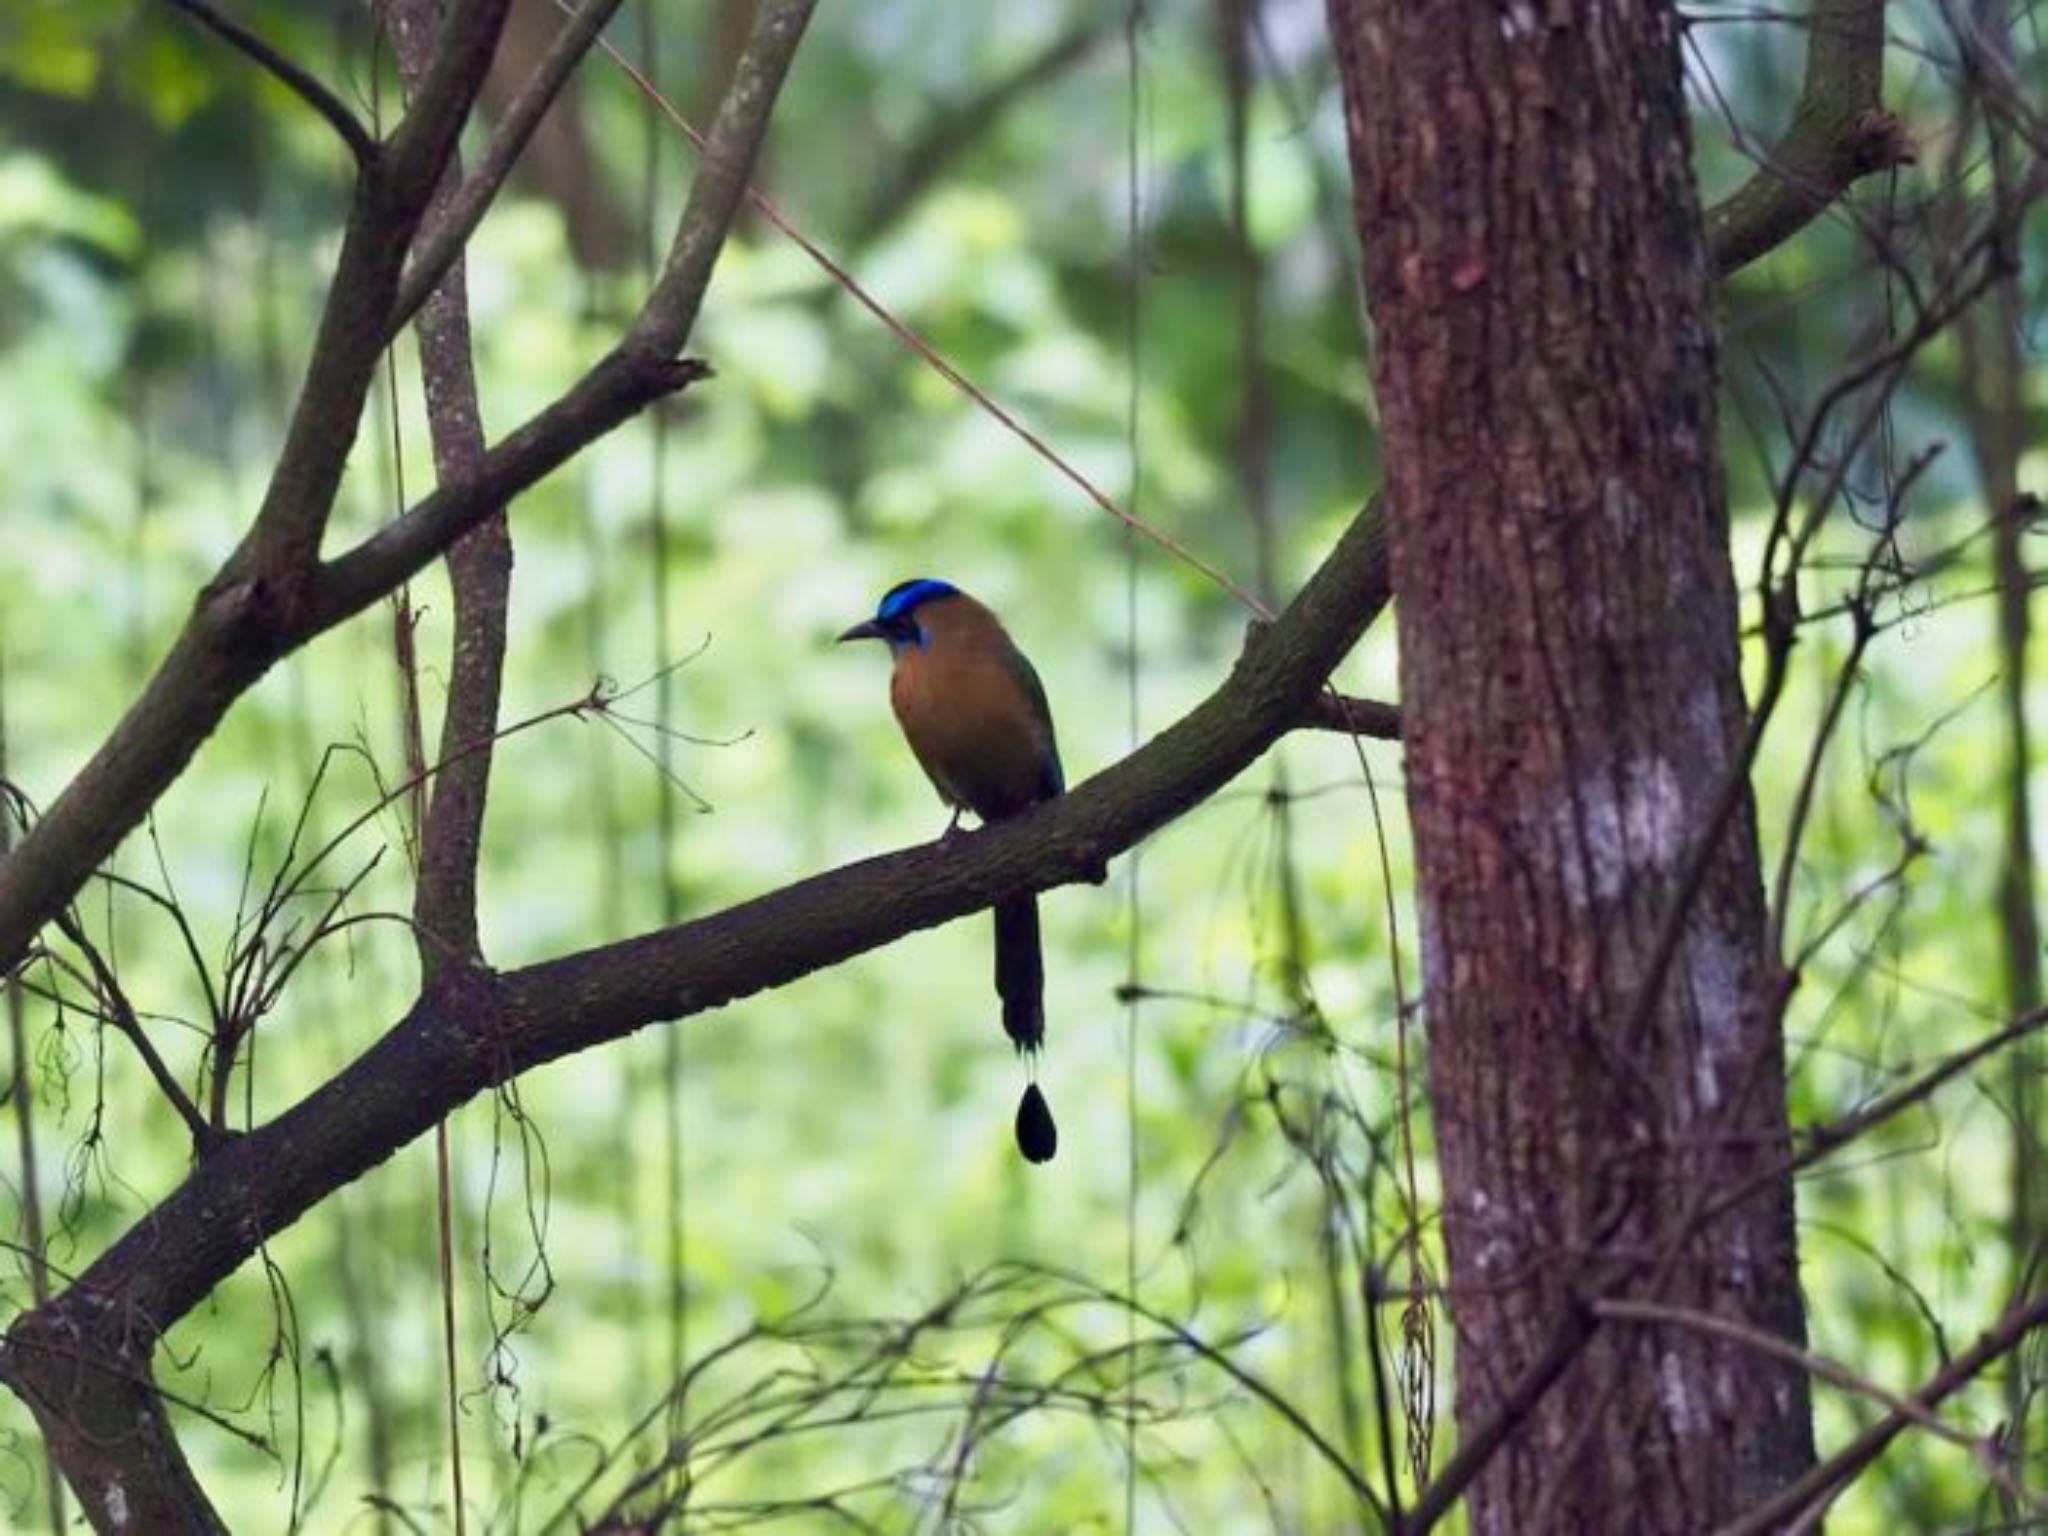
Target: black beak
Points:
x,y
867,630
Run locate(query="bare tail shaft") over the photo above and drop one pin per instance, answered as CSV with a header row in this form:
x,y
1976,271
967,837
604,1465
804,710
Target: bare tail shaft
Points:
x,y
1020,973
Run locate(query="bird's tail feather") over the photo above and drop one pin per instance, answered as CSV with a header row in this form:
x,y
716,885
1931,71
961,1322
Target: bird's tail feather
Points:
x,y
1020,973
1037,1137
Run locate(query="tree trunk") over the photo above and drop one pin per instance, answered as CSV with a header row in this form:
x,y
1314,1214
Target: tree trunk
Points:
x,y
1573,715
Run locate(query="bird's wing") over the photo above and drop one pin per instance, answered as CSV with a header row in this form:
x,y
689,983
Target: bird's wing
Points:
x,y
1034,690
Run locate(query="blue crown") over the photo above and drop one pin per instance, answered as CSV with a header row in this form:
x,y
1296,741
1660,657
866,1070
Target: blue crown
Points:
x,y
906,595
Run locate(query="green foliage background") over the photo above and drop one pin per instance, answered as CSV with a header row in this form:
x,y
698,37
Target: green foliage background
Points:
x,y
166,223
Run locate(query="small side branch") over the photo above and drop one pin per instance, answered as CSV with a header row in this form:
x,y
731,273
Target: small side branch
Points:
x,y
1840,133
1339,712
292,77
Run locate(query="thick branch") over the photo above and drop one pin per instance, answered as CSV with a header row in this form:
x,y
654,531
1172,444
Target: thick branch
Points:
x,y
1840,132
471,1029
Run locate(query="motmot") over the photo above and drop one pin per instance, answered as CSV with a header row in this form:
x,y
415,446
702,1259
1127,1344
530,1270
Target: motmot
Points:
x,y
975,716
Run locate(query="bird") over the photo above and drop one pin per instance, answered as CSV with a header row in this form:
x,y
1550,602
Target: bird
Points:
x,y
975,715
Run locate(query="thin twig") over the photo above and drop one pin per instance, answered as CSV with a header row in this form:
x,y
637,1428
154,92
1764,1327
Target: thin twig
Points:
x,y
361,143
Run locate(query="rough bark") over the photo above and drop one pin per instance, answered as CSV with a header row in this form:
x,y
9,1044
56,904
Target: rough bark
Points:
x,y
1572,707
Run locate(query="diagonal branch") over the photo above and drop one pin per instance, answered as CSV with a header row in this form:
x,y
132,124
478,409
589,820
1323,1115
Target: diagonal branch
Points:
x,y
1840,132
300,82
471,1029
118,1011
